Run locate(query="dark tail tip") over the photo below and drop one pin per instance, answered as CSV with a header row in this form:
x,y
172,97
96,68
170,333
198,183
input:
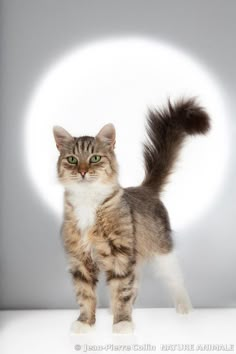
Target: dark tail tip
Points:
x,y
191,116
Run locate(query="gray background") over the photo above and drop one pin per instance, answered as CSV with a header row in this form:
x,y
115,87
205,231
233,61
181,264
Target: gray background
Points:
x,y
34,34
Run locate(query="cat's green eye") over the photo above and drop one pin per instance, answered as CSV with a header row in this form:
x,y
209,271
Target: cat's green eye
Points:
x,y
73,160
95,158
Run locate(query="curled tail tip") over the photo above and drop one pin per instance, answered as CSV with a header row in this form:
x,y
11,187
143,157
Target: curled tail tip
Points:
x,y
191,116
167,129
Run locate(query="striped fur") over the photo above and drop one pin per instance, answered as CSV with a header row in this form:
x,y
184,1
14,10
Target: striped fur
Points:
x,y
123,226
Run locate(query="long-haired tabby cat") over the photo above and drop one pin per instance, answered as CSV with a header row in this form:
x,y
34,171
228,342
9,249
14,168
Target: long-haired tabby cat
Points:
x,y
113,229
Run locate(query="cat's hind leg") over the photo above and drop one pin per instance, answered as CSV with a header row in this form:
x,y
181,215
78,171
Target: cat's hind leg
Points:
x,y
167,267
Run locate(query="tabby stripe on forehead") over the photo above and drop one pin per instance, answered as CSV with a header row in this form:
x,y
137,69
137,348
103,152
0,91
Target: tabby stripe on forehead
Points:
x,y
74,147
77,147
79,144
89,143
82,144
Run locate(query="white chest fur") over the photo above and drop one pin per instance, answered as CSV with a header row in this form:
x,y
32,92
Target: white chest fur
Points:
x,y
85,198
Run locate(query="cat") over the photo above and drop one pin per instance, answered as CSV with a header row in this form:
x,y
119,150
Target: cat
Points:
x,y
113,229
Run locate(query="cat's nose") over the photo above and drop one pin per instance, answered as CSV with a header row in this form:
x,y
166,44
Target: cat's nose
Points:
x,y
83,173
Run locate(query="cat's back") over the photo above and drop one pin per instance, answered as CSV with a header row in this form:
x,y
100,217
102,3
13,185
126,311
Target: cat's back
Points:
x,y
144,201
151,220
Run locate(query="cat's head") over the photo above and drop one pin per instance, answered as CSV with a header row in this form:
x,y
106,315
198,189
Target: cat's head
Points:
x,y
86,159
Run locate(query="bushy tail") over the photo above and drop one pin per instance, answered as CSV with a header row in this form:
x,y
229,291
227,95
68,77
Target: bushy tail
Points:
x,y
167,129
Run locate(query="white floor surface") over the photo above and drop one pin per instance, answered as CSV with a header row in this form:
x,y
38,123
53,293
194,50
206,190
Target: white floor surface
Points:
x,y
156,331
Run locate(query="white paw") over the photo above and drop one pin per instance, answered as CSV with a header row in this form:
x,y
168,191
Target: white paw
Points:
x,y
80,327
183,306
123,327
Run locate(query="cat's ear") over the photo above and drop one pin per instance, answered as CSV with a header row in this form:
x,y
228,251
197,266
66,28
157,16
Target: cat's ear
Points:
x,y
62,137
107,135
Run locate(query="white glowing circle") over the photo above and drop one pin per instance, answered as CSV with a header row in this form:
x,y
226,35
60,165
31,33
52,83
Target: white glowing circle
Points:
x,y
115,81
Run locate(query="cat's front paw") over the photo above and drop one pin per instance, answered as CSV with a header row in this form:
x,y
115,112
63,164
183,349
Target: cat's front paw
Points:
x,y
79,327
124,327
